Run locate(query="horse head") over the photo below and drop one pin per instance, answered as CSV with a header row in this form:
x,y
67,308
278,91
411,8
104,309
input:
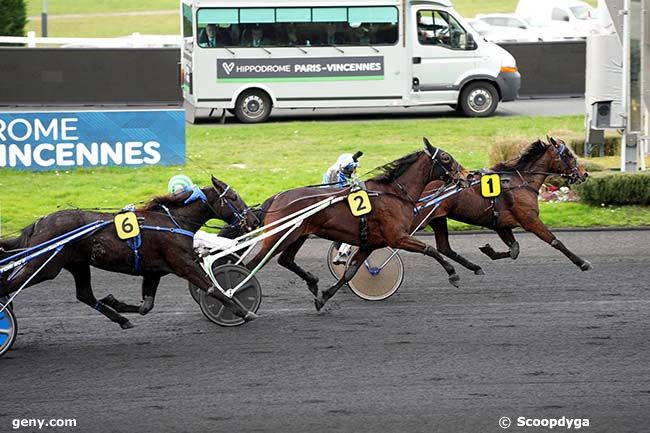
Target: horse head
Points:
x,y
445,166
229,206
565,162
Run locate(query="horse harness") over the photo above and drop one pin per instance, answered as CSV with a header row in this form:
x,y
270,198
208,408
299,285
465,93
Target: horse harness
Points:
x,y
135,243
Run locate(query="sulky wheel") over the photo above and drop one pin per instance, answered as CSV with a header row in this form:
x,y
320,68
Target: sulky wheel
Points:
x,y
194,291
249,296
378,278
8,329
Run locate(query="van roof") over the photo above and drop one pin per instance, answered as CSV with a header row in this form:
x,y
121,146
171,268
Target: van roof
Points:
x,y
290,3
284,3
446,3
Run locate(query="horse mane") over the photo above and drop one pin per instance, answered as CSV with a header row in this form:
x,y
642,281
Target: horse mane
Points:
x,y
393,170
169,200
9,244
531,153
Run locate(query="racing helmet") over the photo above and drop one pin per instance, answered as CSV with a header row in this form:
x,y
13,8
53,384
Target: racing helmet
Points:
x,y
347,164
179,183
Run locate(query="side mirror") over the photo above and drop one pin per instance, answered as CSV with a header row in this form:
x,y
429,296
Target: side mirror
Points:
x,y
471,43
566,18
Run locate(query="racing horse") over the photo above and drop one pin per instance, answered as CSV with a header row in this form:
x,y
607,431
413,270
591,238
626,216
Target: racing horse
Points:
x,y
517,206
167,226
393,197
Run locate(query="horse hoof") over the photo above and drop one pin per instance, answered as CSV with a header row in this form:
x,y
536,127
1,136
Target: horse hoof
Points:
x,y
250,316
146,306
126,325
454,280
479,272
586,266
318,304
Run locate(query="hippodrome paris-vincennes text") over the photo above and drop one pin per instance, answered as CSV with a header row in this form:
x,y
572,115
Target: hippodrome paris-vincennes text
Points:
x,y
316,67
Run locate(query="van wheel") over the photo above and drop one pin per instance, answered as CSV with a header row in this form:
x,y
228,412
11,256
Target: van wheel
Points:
x,y
479,99
253,106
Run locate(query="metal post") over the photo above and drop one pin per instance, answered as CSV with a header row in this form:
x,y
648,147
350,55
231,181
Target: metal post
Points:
x,y
645,80
630,140
44,20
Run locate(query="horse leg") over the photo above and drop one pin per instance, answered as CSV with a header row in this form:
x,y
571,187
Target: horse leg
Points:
x,y
287,260
192,272
508,238
537,227
351,269
81,275
439,226
149,287
409,243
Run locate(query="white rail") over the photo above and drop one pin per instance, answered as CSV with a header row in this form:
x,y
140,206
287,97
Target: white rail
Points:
x,y
135,40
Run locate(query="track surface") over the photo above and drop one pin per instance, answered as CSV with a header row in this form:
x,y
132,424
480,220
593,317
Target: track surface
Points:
x,y
534,338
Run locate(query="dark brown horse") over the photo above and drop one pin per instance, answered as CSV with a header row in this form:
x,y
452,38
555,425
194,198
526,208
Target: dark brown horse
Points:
x,y
517,206
393,197
164,247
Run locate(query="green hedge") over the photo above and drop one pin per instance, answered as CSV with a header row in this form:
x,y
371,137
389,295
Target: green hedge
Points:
x,y
13,17
616,189
612,146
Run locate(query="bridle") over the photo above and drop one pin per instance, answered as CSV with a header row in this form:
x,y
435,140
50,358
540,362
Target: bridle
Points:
x,y
449,176
240,216
573,175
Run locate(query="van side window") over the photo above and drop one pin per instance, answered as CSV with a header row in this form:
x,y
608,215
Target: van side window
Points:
x,y
440,28
559,15
299,26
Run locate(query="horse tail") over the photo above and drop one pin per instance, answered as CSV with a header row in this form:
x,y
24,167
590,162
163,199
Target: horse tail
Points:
x,y
7,246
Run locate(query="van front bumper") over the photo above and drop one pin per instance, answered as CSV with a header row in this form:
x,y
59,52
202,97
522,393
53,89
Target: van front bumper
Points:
x,y
509,83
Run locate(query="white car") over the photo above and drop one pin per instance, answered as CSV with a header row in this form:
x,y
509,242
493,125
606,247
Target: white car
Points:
x,y
579,16
542,30
501,34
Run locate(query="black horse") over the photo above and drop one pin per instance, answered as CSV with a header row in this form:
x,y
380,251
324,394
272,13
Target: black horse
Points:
x,y
165,246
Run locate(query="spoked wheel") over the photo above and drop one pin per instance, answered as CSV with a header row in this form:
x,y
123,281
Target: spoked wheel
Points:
x,y
8,329
194,291
249,296
378,278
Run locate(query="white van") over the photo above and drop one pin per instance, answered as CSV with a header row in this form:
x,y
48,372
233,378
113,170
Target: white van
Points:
x,y
249,56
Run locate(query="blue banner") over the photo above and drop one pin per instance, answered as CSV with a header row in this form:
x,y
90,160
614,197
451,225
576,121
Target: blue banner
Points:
x,y
64,140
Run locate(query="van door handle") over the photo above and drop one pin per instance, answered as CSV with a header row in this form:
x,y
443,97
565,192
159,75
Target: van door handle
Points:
x,y
417,60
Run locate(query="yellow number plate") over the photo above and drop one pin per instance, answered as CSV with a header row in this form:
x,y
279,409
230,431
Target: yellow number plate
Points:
x,y
126,225
490,185
359,203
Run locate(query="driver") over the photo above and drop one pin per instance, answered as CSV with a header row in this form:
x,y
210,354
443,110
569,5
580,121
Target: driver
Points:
x,y
204,242
341,174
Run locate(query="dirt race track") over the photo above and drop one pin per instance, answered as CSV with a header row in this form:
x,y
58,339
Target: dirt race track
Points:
x,y
534,338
